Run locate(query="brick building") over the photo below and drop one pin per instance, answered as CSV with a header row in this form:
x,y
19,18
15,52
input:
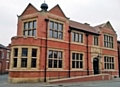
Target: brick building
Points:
x,y
4,59
49,45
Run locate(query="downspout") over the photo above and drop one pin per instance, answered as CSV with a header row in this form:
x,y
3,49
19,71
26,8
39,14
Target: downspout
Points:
x,y
119,60
87,54
46,44
69,31
1,67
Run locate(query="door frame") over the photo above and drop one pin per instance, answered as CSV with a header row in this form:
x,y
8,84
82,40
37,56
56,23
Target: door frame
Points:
x,y
96,68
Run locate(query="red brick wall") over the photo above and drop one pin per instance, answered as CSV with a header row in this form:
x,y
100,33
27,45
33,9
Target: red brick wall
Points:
x,y
40,41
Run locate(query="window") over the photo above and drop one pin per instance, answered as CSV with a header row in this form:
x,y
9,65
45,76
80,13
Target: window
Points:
x,y
55,59
29,28
2,54
77,37
56,30
108,41
96,40
15,52
24,57
108,62
27,55
8,54
77,60
7,65
34,58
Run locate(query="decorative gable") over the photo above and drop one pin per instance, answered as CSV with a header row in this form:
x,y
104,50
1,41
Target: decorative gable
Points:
x,y
57,11
30,9
108,26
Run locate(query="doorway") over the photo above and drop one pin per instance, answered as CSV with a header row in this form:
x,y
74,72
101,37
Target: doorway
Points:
x,y
96,65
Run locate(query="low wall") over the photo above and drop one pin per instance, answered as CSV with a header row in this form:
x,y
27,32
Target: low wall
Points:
x,y
82,78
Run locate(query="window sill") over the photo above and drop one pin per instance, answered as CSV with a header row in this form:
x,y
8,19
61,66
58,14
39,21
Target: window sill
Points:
x,y
109,48
58,40
77,43
76,69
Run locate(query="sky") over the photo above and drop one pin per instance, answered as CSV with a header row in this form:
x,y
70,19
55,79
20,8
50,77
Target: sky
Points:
x,y
94,12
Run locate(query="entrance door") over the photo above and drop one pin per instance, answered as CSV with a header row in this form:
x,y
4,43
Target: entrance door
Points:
x,y
96,65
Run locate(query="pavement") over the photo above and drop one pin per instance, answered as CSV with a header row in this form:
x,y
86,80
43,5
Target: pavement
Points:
x,y
110,83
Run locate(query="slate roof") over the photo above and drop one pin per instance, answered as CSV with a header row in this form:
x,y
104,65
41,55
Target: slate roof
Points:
x,y
83,27
2,47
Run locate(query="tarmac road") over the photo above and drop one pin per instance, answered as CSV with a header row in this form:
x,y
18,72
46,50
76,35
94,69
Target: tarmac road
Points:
x,y
111,83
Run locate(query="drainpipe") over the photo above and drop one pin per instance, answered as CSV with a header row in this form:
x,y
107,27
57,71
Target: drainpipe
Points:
x,y
1,67
69,31
46,44
87,54
119,60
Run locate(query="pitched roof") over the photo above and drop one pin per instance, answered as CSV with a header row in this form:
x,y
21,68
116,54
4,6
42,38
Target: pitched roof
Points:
x,y
29,10
104,25
83,27
57,11
2,46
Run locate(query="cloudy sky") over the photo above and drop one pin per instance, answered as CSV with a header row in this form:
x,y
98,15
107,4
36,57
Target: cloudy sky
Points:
x,y
93,12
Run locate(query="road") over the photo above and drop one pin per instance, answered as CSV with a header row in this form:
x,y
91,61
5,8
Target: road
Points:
x,y
112,83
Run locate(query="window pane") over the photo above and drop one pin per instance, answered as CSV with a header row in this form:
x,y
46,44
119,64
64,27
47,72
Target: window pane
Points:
x,y
81,64
55,26
25,33
50,63
51,25
112,66
77,56
73,56
60,27
81,56
55,63
50,54
24,52
77,37
77,64
60,63
73,64
60,35
25,25
105,59
34,33
73,36
33,63
30,25
34,24
34,52
14,62
30,33
60,55
15,52
81,38
51,33
55,54
23,62
55,34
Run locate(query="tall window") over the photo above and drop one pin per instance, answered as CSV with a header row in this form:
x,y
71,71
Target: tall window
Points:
x,y
2,54
96,40
34,58
77,60
55,59
24,57
8,54
108,41
108,62
77,37
56,30
29,28
15,57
